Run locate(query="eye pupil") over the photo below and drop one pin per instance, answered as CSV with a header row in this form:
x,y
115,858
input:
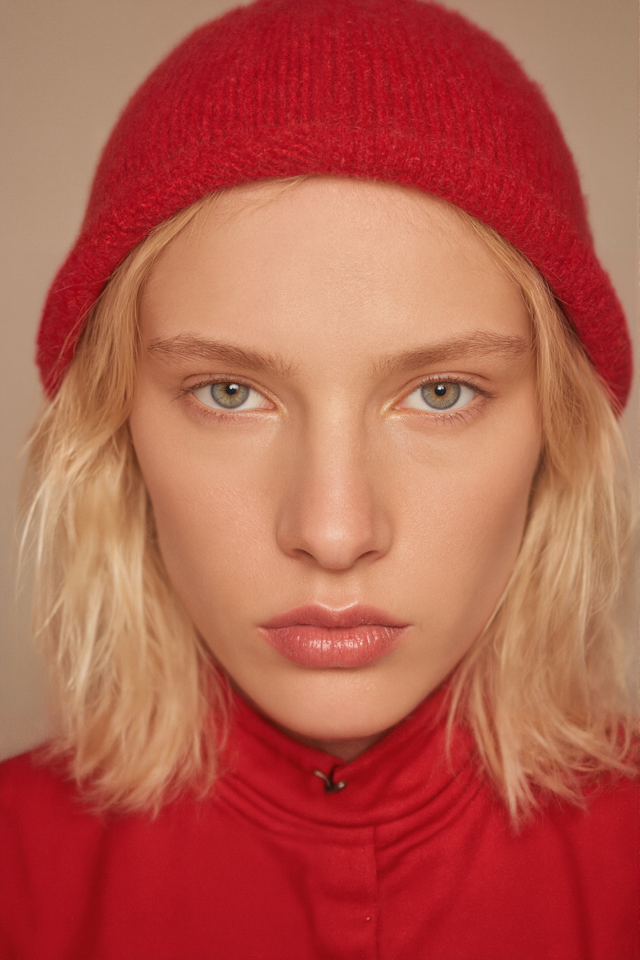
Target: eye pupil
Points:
x,y
229,395
440,396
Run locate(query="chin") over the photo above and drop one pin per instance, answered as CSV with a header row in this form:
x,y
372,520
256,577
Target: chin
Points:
x,y
337,705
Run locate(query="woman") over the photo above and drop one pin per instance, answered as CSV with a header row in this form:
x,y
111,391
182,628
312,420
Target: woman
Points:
x,y
329,511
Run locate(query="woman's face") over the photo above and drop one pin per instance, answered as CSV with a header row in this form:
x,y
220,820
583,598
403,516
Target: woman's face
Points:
x,y
336,420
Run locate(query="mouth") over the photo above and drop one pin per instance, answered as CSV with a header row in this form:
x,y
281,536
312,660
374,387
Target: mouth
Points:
x,y
322,638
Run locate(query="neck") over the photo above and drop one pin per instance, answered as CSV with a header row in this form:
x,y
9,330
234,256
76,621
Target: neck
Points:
x,y
347,750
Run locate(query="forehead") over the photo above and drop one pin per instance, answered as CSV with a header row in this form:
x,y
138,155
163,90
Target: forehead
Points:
x,y
356,265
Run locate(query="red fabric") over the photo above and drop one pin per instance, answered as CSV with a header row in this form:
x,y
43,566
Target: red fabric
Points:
x,y
395,90
413,859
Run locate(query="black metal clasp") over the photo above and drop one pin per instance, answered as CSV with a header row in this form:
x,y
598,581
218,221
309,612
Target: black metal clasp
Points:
x,y
331,785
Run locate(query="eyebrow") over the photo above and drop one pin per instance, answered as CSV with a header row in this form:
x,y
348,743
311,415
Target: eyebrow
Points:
x,y
478,344
180,348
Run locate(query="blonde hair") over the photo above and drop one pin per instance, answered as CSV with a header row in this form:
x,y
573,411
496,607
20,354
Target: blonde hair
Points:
x,y
141,709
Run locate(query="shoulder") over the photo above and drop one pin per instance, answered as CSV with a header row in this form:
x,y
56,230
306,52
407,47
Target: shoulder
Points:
x,y
46,832
610,808
612,800
612,811
595,844
37,796
50,845
27,778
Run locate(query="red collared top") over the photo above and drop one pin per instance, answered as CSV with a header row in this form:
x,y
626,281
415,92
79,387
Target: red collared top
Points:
x,y
414,857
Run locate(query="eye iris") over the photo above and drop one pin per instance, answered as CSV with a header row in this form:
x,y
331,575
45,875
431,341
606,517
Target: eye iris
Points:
x,y
440,396
229,395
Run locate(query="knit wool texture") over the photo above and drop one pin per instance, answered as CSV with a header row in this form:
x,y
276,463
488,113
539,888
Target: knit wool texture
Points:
x,y
394,90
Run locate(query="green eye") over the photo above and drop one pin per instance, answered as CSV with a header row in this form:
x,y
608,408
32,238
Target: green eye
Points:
x,y
445,395
440,396
229,395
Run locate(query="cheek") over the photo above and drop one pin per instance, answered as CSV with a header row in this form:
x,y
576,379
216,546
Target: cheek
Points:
x,y
485,505
472,520
207,513
465,501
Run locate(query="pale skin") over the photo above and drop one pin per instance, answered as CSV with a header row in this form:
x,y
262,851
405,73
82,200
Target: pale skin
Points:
x,y
336,483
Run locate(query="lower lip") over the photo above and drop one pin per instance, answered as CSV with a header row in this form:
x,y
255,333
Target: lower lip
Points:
x,y
325,647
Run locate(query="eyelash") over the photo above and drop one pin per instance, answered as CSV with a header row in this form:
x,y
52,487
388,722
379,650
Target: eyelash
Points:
x,y
208,412
462,415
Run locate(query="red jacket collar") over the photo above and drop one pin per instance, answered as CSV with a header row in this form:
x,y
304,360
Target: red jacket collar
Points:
x,y
407,772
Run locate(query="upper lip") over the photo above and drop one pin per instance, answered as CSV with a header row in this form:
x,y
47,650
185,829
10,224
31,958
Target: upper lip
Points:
x,y
357,615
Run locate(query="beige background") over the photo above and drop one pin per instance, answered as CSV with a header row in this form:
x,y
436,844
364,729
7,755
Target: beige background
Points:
x,y
67,67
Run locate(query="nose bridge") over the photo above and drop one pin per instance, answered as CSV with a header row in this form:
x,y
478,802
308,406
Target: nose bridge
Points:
x,y
334,510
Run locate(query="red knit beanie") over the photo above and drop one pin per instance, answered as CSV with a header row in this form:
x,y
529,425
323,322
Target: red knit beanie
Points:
x,y
394,90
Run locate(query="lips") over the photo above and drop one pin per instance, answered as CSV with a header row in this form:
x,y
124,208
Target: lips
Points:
x,y
319,637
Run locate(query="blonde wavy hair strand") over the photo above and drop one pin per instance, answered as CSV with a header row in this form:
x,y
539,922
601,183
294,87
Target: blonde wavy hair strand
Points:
x,y
142,711
135,692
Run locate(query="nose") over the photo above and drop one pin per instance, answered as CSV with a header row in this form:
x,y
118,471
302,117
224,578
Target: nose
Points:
x,y
334,509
